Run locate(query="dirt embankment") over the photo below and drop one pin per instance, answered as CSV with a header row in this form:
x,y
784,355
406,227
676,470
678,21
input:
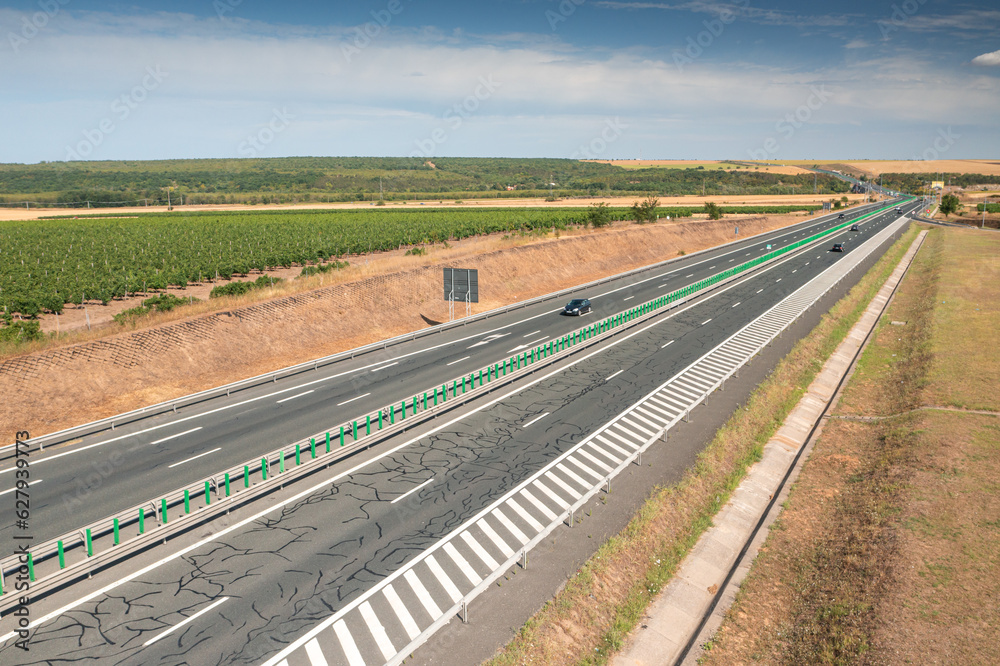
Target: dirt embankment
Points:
x,y
60,387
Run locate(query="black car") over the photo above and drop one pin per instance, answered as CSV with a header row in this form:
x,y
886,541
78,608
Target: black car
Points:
x,y
840,217
837,247
578,306
855,227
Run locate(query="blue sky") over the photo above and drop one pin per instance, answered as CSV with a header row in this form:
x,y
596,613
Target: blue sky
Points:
x,y
905,79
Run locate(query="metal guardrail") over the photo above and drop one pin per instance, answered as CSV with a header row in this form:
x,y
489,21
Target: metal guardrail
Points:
x,y
106,534
111,422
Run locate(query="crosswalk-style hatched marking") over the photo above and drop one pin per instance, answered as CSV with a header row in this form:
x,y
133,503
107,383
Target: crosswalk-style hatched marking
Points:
x,y
315,654
377,631
495,538
480,552
573,475
562,484
594,460
347,644
423,596
586,470
525,516
449,587
551,495
539,505
462,564
403,615
471,556
511,527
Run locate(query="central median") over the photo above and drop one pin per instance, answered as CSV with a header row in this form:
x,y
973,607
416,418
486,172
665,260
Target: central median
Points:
x,y
61,560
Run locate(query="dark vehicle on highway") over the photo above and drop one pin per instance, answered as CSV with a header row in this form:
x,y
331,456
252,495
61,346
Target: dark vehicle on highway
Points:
x,y
899,211
840,217
837,247
577,306
855,227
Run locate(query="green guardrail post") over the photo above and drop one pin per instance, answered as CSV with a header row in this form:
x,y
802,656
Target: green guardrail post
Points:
x,y
392,414
246,476
368,423
463,384
454,388
208,496
263,468
187,501
341,435
142,521
444,393
90,544
355,433
312,447
163,509
298,455
62,556
115,523
328,442
281,461
480,379
402,410
380,419
31,568
425,400
227,474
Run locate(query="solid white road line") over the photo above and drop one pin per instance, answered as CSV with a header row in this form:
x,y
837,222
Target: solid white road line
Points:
x,y
293,397
385,366
341,404
219,448
614,375
29,485
183,622
412,490
459,360
537,418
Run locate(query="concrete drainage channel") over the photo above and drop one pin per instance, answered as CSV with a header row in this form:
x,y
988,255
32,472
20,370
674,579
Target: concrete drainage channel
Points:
x,y
692,606
98,545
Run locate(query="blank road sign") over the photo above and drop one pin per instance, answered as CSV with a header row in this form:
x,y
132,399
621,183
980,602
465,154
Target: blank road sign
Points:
x,y
461,284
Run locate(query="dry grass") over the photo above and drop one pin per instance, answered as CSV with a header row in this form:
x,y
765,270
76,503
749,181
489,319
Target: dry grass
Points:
x,y
76,391
909,546
589,619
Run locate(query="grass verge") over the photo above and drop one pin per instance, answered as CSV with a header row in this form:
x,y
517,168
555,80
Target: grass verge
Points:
x,y
589,619
909,546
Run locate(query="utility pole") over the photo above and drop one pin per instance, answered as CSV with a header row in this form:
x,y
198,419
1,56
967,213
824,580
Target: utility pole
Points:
x,y
986,200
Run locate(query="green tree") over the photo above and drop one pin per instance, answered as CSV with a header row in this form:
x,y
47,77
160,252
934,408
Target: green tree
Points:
x,y
645,211
950,204
714,210
599,215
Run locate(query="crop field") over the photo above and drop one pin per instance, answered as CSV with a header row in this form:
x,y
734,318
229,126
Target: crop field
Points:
x,y
47,263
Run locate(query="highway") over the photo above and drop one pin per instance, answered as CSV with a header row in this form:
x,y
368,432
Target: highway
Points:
x,y
368,555
82,480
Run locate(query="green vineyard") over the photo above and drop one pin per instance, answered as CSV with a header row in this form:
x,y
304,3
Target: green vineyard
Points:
x,y
47,263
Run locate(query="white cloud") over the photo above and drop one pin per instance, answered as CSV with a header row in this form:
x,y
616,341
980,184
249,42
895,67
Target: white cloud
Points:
x,y
224,84
857,44
987,59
